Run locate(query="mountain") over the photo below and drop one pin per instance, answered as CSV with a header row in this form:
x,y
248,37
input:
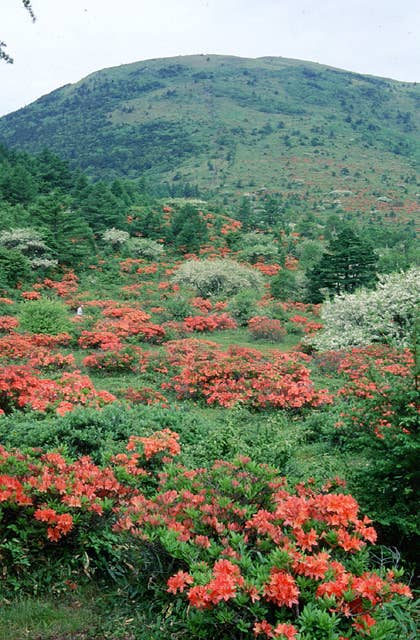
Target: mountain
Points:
x,y
231,125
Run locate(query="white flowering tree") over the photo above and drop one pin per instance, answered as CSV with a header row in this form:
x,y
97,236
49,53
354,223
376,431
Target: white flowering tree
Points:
x,y
30,243
145,248
386,314
218,277
115,237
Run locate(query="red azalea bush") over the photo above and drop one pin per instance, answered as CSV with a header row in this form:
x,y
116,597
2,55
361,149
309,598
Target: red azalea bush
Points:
x,y
128,321
65,288
99,340
244,553
57,515
267,269
31,295
8,324
146,395
242,375
263,328
211,322
36,350
118,361
21,387
305,325
255,556
381,389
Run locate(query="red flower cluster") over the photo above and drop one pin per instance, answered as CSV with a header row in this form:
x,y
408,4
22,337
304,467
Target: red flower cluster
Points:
x,y
263,328
64,288
271,544
31,295
146,395
211,322
242,375
48,479
267,269
8,324
308,326
126,359
128,321
21,387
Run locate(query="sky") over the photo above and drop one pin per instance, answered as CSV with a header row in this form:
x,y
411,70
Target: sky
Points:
x,y
72,38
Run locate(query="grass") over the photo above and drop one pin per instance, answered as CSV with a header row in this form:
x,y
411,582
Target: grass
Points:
x,y
44,618
241,338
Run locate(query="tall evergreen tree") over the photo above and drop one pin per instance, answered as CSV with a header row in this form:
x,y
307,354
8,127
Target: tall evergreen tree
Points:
x,y
188,229
53,172
66,232
349,262
17,184
102,209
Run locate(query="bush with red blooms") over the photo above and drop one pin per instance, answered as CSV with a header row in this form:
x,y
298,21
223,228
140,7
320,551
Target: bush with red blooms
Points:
x,y
210,322
36,350
99,340
58,514
65,288
263,328
126,359
381,388
242,375
379,425
8,324
267,269
31,295
146,395
251,556
305,325
128,321
21,387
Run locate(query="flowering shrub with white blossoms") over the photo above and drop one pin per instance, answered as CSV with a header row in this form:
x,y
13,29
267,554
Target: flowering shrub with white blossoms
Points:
x,y
386,314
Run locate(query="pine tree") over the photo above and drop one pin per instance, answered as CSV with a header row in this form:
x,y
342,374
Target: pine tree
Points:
x,y
102,209
188,229
66,232
348,263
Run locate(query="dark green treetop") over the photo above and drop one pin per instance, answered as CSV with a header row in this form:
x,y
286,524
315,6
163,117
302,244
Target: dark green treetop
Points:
x,y
349,262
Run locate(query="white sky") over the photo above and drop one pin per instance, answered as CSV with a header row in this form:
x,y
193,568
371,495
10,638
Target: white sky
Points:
x,y
72,38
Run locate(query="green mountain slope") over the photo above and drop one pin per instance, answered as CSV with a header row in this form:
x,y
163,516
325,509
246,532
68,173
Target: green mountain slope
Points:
x,y
229,125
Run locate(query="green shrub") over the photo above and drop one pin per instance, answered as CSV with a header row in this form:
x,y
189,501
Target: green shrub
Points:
x,y
243,306
45,316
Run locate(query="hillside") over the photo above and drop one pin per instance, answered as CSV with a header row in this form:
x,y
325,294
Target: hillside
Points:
x,y
229,125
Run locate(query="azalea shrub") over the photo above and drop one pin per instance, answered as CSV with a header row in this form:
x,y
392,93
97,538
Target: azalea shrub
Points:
x,y
128,321
60,512
126,359
377,376
243,553
379,423
241,375
22,387
251,556
145,395
8,324
210,322
263,328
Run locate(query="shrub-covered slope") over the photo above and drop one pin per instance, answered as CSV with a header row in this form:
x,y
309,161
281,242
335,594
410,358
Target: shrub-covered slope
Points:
x,y
229,124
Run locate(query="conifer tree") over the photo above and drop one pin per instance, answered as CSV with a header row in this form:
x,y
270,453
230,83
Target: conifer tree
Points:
x,y
188,229
66,232
349,262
